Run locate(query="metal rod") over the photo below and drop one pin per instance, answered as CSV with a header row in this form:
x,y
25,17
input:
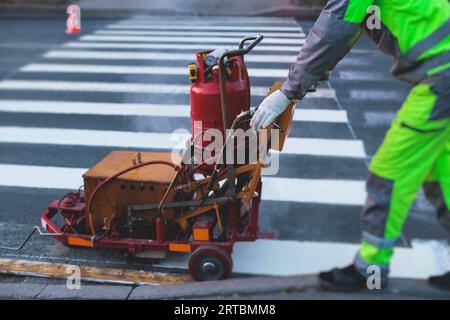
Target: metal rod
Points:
x,y
35,228
223,96
167,193
179,204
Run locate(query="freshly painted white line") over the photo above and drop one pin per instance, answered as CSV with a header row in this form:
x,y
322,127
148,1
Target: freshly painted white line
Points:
x,y
440,249
295,35
284,258
118,87
182,46
140,109
114,69
242,29
290,258
167,141
132,55
338,192
184,39
377,95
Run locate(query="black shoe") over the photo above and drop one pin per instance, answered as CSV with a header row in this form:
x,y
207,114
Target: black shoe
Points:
x,y
440,282
344,279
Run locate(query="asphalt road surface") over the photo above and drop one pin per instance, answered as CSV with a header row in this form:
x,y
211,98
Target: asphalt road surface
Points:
x,y
67,101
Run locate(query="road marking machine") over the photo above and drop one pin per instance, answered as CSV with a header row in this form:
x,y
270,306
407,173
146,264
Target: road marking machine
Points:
x,y
152,203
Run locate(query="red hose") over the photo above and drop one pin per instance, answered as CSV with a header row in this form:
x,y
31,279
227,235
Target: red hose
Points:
x,y
101,184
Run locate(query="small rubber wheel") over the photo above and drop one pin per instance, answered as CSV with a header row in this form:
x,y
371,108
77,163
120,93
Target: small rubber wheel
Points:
x,y
210,262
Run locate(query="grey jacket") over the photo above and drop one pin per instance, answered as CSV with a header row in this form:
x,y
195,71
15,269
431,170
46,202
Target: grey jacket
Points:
x,y
331,38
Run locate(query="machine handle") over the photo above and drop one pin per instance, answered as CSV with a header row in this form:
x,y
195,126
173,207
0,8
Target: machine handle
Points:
x,y
257,39
242,50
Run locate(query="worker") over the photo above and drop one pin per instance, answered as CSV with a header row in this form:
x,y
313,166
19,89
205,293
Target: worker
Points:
x,y
416,149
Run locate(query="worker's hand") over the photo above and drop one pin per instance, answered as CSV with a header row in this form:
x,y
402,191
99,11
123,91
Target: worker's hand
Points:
x,y
269,110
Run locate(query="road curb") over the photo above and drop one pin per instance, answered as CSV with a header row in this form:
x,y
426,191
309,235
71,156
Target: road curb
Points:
x,y
15,291
293,287
86,292
232,287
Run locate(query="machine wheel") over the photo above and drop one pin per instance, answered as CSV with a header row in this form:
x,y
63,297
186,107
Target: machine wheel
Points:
x,y
210,262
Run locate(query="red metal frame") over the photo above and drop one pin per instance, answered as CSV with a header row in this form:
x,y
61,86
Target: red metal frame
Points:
x,y
134,246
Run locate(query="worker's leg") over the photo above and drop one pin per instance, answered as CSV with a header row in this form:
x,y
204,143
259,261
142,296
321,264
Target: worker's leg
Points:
x,y
437,188
410,150
414,147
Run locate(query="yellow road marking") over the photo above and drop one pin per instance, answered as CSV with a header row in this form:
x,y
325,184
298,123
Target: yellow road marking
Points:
x,y
97,274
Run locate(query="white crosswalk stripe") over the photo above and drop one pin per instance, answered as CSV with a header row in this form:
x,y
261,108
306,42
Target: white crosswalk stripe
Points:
x,y
126,87
276,189
130,55
171,46
325,147
377,118
195,33
362,75
377,95
141,109
188,20
185,39
167,141
115,69
242,29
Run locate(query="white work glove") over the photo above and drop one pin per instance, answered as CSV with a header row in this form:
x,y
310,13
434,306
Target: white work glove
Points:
x,y
269,110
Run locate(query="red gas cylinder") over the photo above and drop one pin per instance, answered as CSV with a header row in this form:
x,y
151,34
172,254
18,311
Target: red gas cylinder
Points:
x,y
206,107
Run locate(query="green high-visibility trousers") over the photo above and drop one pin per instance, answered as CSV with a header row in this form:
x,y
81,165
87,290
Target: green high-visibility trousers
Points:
x,y
415,152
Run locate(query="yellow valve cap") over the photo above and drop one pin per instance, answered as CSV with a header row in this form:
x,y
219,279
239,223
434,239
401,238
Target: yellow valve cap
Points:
x,y
193,72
